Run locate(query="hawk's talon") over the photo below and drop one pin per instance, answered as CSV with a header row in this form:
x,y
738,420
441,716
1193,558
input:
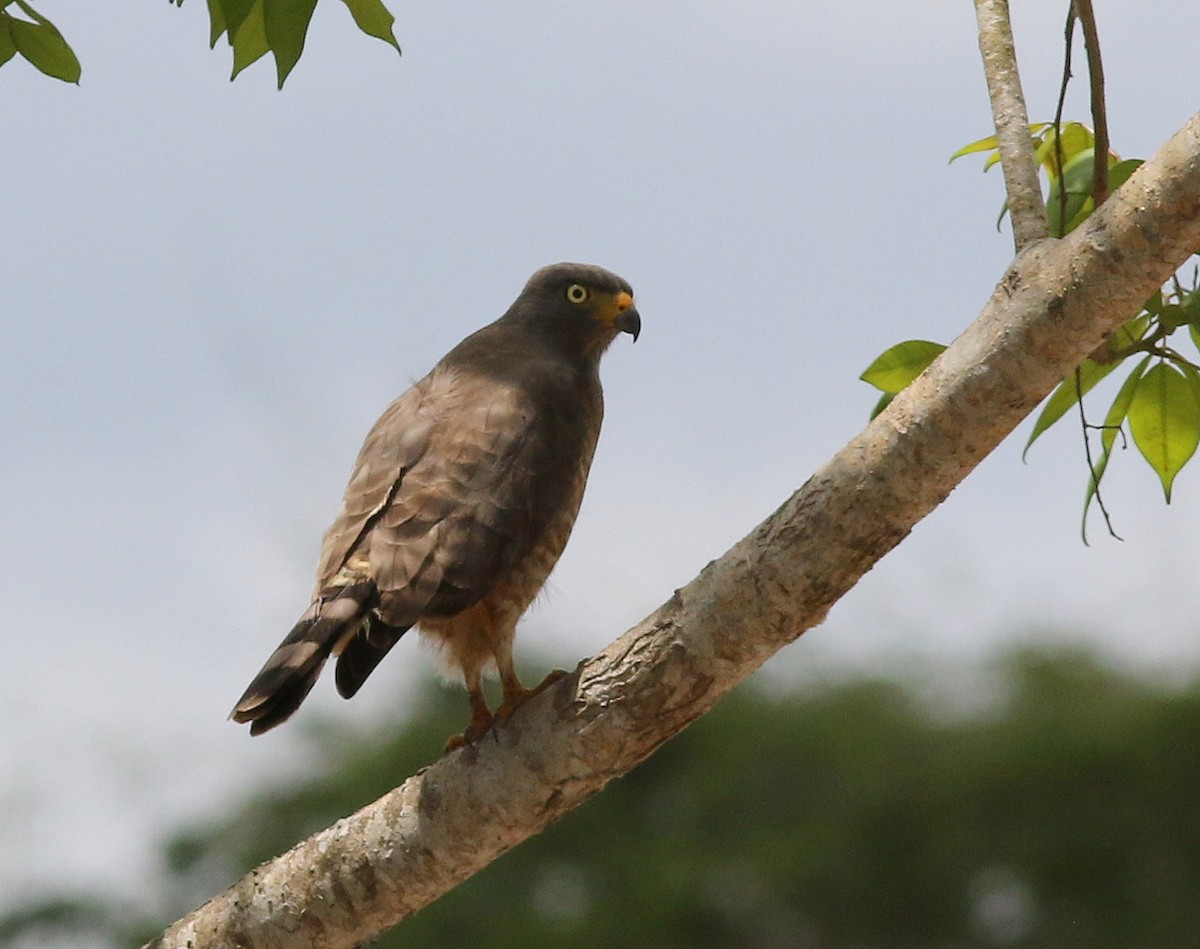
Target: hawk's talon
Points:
x,y
481,724
515,698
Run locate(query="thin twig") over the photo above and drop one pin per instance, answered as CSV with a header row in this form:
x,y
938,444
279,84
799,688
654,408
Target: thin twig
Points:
x,y
1087,451
1059,157
1178,358
1059,160
1091,41
1026,208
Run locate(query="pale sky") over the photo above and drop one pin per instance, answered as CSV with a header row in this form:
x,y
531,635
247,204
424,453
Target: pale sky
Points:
x,y
210,291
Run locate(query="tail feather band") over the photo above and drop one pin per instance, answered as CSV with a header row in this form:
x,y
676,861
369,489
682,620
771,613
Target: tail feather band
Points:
x,y
292,669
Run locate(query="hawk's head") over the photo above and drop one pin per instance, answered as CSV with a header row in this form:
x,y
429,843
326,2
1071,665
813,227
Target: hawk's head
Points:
x,y
582,303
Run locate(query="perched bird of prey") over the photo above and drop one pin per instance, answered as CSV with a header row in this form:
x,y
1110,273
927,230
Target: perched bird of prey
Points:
x,y
461,501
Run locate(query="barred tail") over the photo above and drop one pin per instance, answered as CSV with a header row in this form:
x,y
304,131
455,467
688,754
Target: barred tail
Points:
x,y
289,674
362,653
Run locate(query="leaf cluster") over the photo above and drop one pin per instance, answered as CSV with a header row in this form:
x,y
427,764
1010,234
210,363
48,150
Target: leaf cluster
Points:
x,y
1068,157
1159,400
253,28
37,40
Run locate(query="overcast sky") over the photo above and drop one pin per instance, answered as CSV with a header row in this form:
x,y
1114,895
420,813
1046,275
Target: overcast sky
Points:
x,y
208,292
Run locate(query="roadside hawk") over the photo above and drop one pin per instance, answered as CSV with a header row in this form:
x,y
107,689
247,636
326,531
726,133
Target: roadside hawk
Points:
x,y
461,501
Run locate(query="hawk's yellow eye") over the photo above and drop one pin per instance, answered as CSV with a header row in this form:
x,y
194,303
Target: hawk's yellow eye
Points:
x,y
577,293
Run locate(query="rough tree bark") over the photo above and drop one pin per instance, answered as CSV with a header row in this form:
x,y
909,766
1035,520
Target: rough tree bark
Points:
x,y
1056,303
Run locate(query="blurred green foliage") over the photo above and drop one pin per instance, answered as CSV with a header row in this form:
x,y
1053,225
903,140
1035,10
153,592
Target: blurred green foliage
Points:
x,y
1060,813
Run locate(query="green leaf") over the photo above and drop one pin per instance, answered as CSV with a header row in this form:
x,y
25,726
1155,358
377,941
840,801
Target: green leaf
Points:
x,y
1120,173
249,40
1164,419
884,401
896,367
1112,424
1077,177
216,20
1130,334
42,44
374,19
233,14
1191,303
981,145
1076,138
1000,216
991,144
1067,394
286,24
1172,316
1154,303
8,49
1124,340
1078,210
1194,333
1119,409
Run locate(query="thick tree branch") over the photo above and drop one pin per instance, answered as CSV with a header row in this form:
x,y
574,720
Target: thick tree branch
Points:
x,y
1026,208
1056,303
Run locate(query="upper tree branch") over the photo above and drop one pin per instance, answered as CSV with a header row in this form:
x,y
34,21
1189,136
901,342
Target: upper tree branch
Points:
x,y
1057,303
1026,208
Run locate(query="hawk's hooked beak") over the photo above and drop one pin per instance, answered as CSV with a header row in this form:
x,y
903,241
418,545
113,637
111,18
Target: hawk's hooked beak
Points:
x,y
628,320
